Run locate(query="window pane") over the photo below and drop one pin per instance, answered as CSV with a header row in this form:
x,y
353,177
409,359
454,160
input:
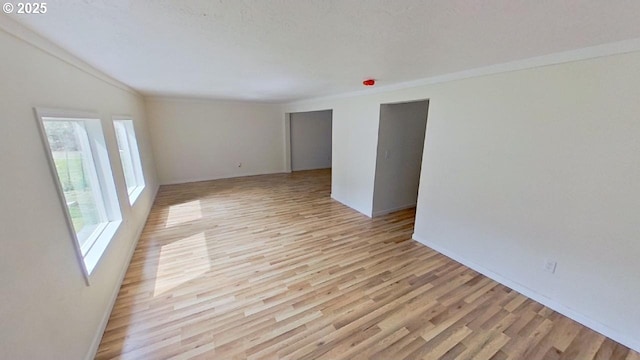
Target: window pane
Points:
x,y
77,174
130,158
125,155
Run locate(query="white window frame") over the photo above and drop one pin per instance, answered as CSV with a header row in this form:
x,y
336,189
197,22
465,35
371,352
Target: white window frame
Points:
x,y
134,156
93,249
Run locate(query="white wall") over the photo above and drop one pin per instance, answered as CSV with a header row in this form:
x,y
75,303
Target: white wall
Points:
x,y
311,140
197,140
47,310
354,140
520,167
399,157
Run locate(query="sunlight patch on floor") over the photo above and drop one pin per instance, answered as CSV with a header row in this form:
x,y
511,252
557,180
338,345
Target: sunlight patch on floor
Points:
x,y
181,261
182,213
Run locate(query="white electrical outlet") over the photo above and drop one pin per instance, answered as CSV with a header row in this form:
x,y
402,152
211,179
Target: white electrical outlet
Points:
x,y
550,266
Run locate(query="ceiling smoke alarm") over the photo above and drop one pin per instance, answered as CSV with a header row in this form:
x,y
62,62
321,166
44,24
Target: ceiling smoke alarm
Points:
x,y
369,82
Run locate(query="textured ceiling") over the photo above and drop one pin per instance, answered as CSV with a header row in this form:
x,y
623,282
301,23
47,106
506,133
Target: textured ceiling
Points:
x,y
277,50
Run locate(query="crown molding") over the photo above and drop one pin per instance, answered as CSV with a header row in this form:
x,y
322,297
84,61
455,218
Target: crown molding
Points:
x,y
609,49
21,32
153,97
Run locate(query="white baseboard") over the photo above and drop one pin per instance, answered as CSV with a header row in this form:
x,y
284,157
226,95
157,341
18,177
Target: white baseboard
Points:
x,y
218,177
312,168
93,349
362,211
389,211
550,303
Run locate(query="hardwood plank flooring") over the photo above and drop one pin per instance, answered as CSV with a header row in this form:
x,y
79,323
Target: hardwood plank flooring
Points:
x,y
268,267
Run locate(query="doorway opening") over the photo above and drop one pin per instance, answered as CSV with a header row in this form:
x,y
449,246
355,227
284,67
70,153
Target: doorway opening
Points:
x,y
401,137
310,136
310,143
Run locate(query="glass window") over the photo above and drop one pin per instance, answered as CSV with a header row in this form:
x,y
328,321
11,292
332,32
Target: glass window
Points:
x,y
130,157
79,160
78,177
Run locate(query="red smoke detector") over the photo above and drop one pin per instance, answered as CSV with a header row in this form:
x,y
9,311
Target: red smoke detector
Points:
x,y
369,82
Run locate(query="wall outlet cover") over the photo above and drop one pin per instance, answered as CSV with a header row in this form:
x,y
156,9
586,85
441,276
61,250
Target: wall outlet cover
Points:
x,y
550,266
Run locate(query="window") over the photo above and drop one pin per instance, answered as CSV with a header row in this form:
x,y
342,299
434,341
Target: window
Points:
x,y
130,157
79,161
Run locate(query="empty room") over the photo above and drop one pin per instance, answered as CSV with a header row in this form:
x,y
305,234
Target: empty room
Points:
x,y
300,179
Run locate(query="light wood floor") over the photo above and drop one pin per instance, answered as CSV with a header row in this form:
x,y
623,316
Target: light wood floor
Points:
x,y
270,267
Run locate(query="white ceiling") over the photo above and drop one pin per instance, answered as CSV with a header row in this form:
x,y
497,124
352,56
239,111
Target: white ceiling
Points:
x,y
279,50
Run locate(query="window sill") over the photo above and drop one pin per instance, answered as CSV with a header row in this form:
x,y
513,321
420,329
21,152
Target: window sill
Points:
x,y
134,194
90,237
94,254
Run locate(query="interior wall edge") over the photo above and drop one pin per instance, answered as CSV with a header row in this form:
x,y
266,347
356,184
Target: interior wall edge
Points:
x,y
286,128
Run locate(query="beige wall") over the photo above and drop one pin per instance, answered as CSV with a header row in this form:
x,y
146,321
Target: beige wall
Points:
x,y
521,167
46,309
197,140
